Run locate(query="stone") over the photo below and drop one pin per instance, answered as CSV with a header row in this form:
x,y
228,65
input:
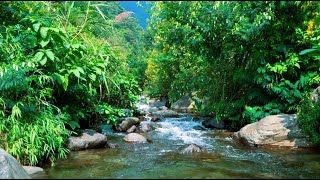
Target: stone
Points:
x,y
163,108
142,118
184,105
135,137
11,168
88,139
131,129
192,148
158,104
165,113
213,123
315,94
274,130
146,127
127,123
155,119
112,145
153,109
33,170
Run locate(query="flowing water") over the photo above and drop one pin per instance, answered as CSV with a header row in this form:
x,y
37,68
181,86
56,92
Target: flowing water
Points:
x,y
161,157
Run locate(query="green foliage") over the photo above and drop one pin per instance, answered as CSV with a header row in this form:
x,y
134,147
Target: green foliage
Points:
x,y
59,72
30,137
238,60
309,119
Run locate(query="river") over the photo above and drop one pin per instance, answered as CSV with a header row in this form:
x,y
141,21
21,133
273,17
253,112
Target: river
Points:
x,y
161,159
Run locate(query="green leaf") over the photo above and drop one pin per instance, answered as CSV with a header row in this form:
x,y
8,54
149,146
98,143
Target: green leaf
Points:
x,y
44,42
54,29
73,124
43,61
81,70
92,77
38,56
76,72
44,32
65,82
36,27
306,51
50,54
98,70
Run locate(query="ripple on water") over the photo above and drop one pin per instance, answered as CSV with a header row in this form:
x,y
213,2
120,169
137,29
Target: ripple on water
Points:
x,y
161,159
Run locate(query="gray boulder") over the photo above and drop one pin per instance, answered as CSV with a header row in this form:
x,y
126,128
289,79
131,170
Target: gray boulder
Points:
x,y
135,137
275,130
127,123
87,139
10,168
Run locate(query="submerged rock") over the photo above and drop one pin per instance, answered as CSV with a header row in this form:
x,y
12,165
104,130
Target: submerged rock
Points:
x,y
275,130
135,137
10,168
192,148
88,139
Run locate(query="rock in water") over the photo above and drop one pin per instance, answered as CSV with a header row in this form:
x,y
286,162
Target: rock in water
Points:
x,y
146,127
33,169
192,148
89,139
275,130
130,130
135,137
10,168
127,123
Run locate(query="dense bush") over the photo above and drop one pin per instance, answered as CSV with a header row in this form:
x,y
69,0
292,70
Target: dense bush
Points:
x,y
59,73
239,60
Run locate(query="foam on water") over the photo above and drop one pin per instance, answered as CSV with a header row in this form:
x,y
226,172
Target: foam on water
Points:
x,y
181,130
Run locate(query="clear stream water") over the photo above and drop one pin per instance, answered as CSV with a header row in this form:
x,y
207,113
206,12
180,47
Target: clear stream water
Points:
x,y
161,159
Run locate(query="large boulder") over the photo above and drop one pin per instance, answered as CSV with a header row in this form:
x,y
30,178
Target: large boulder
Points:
x,y
135,137
276,130
127,123
184,105
87,139
192,148
10,168
164,114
